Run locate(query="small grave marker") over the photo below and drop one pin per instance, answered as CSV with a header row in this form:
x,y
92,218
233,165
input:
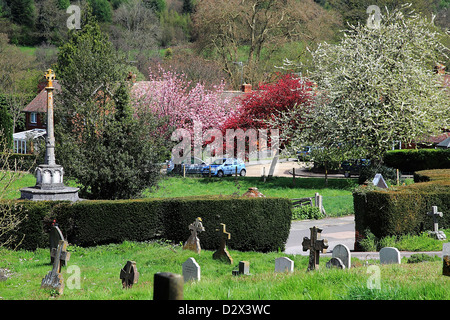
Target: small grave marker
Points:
x,y
342,252
446,259
379,181
335,263
284,264
191,270
129,275
315,245
222,252
54,279
193,243
440,235
56,236
244,269
167,286
390,255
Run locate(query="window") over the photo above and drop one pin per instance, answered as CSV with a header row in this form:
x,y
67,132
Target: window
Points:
x,y
33,117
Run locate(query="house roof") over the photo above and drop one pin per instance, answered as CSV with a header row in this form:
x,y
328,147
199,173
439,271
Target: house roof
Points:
x,y
39,103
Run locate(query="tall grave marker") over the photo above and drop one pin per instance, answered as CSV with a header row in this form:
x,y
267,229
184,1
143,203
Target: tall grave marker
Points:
x,y
315,245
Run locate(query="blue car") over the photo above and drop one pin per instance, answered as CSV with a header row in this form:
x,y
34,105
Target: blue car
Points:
x,y
225,166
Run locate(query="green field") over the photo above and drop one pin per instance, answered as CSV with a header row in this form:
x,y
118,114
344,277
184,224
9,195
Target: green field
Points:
x,y
93,274
337,197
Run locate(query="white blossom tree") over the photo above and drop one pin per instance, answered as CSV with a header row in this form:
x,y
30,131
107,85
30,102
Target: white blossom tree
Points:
x,y
377,86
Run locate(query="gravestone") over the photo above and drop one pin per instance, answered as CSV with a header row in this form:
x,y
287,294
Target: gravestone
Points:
x,y
446,259
315,245
440,235
342,252
167,286
379,182
244,269
193,243
129,275
222,252
3,276
335,263
284,264
56,236
54,280
390,255
191,270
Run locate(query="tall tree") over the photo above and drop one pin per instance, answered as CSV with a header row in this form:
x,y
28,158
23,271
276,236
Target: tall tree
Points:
x,y
101,145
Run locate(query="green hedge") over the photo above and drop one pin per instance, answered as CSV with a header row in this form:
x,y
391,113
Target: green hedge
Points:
x,y
411,160
261,224
403,210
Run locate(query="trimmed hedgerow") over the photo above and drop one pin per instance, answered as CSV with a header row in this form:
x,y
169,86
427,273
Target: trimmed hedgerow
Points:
x,y
411,160
255,224
402,210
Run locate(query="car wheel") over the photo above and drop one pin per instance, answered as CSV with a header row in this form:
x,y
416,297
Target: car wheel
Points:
x,y
243,172
220,174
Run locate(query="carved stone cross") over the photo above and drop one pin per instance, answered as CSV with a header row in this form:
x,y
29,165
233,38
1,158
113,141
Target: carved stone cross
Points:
x,y
54,280
129,275
315,245
222,253
435,214
193,243
55,237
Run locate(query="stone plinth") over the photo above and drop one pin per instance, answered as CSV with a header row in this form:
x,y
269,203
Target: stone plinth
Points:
x,y
38,194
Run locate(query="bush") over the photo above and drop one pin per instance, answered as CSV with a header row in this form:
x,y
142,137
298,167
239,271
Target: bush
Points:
x,y
368,173
261,224
411,160
402,210
306,212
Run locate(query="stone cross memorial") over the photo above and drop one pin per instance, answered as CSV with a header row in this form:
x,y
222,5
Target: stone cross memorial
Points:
x,y
191,270
440,235
315,245
54,280
129,275
193,243
222,253
55,237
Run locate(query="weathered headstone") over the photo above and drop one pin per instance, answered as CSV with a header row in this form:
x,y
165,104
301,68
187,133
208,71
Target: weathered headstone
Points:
x,y
54,280
284,264
191,270
446,259
193,243
56,236
342,252
315,245
222,252
244,269
168,286
390,255
440,235
335,263
129,275
379,182
3,276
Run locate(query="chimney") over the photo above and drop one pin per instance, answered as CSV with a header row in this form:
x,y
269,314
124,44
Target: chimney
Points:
x,y
246,88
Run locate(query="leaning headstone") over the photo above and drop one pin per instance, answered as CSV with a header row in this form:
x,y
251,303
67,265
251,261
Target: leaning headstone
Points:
x,y
54,238
446,259
191,270
54,280
379,181
222,252
284,264
244,269
342,252
193,243
390,255
168,286
129,275
335,263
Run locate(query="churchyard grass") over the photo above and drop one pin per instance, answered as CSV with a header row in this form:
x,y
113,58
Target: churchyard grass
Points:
x,y
99,269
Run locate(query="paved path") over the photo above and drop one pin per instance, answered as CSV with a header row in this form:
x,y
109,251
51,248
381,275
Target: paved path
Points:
x,y
337,231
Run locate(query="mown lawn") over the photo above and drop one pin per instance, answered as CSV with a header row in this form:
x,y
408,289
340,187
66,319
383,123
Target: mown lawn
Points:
x,y
93,274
